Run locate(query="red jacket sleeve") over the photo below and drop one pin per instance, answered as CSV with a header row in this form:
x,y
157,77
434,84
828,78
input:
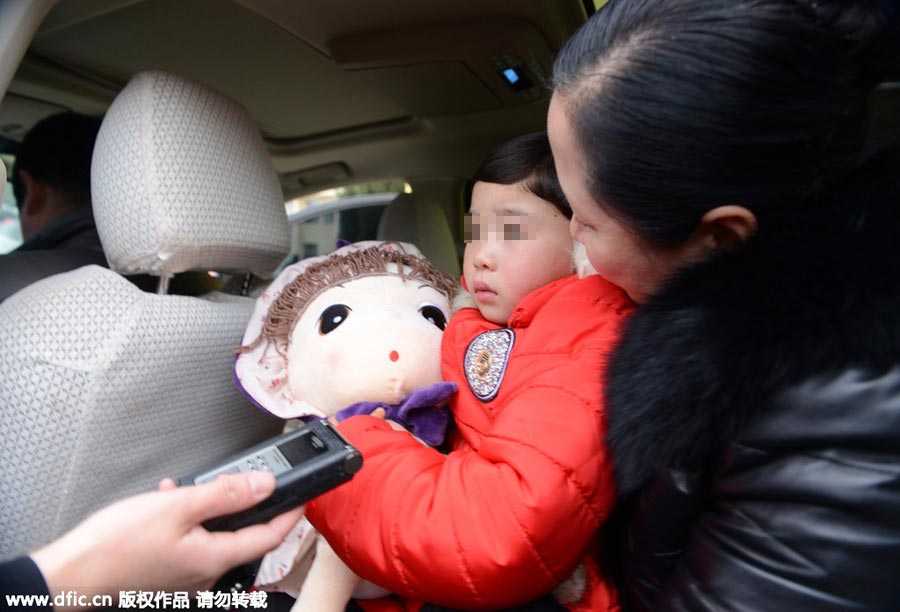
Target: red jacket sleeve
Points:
x,y
489,529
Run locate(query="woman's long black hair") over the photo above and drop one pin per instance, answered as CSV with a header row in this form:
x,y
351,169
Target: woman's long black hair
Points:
x,y
684,105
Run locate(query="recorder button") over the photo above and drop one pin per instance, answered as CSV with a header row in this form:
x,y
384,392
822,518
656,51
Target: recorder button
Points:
x,y
352,464
316,442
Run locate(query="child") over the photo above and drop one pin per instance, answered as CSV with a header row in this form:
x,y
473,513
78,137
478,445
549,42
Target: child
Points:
x,y
515,506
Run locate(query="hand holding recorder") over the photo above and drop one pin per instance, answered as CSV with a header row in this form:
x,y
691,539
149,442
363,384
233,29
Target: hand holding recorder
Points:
x,y
306,462
184,538
155,541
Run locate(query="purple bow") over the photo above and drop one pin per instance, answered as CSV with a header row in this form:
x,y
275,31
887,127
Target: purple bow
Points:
x,y
419,413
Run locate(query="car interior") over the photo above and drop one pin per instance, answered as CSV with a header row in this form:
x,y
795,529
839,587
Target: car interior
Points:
x,y
239,136
344,93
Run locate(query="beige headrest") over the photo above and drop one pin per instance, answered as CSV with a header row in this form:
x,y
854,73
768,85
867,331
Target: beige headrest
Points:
x,y
181,180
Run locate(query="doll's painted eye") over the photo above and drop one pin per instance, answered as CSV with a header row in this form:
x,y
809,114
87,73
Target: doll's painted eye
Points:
x,y
332,318
433,315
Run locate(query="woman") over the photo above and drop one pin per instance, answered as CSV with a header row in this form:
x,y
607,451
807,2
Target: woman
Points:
x,y
714,156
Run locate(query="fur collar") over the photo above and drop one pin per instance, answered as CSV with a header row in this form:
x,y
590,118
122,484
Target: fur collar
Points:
x,y
813,293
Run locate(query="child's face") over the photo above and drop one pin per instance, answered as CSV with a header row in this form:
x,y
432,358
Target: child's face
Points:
x,y
515,243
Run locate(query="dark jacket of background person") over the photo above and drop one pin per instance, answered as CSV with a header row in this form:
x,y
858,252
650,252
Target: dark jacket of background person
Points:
x,y
51,180
66,243
755,408
52,184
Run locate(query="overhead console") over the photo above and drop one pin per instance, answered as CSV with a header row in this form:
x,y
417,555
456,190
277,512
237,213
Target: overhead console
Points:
x,y
450,68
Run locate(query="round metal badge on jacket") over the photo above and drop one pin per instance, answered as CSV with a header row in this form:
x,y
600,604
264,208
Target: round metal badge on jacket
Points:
x,y
486,360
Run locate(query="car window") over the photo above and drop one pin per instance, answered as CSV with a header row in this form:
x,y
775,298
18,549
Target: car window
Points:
x,y
350,213
10,230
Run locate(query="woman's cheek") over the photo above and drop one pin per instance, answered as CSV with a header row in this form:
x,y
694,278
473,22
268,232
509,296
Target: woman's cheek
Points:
x,y
575,229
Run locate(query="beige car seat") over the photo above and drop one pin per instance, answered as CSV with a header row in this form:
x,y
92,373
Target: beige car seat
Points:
x,y
107,389
410,218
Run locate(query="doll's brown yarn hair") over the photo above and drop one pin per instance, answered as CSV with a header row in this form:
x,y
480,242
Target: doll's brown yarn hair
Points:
x,y
372,261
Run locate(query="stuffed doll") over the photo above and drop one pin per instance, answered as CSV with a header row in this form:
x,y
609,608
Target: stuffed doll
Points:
x,y
336,336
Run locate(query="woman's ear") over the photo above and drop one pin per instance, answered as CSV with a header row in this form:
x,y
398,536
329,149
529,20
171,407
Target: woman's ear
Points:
x,y
724,227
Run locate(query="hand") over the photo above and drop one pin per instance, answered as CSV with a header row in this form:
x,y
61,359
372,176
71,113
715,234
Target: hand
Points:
x,y
155,541
380,413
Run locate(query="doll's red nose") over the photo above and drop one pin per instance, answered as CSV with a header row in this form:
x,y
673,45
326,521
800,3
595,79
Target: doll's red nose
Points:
x,y
394,355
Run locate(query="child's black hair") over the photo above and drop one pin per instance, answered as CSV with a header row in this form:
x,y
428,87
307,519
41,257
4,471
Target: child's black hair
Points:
x,y
528,159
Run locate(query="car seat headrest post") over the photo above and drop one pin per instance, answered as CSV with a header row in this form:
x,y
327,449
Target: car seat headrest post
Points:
x,y
162,288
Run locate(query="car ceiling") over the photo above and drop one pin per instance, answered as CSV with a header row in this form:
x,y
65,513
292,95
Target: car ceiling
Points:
x,y
341,90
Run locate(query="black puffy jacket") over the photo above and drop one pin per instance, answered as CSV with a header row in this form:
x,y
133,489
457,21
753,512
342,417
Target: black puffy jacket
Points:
x,y
754,410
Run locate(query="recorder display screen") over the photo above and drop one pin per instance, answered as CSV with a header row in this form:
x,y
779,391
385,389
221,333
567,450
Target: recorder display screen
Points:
x,y
270,459
302,449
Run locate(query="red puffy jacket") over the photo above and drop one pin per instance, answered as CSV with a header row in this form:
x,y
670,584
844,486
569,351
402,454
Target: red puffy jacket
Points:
x,y
515,506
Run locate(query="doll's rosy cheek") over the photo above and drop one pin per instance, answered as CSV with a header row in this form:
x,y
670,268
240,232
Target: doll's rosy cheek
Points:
x,y
333,359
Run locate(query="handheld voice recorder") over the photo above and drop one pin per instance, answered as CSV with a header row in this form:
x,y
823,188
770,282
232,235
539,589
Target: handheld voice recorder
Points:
x,y
306,462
